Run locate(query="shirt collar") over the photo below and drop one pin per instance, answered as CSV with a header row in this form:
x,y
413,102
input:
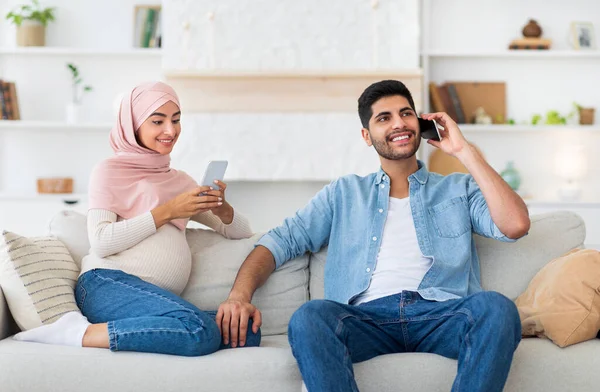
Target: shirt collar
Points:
x,y
421,175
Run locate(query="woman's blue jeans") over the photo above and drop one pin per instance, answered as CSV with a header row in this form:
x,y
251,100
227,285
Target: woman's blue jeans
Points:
x,y
143,317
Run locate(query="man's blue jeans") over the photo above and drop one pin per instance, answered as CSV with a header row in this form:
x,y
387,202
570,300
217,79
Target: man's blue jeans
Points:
x,y
482,331
145,318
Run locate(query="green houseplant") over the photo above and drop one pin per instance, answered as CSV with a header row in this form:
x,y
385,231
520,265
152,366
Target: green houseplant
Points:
x,y
31,21
78,90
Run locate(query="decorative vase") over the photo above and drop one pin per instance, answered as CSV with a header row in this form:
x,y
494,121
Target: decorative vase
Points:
x,y
72,113
31,33
586,116
532,29
511,176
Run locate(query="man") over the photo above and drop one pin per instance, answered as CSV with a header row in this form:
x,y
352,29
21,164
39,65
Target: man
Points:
x,y
402,273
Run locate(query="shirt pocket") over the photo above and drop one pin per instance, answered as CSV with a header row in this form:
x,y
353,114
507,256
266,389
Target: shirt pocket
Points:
x,y
451,218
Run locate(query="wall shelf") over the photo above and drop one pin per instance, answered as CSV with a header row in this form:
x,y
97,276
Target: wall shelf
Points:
x,y
66,51
507,128
42,197
525,54
9,125
285,74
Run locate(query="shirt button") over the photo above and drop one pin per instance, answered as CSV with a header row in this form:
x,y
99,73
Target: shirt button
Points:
x,y
381,210
368,269
382,186
374,238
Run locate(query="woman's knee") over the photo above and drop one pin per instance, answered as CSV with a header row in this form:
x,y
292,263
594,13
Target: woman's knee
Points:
x,y
204,335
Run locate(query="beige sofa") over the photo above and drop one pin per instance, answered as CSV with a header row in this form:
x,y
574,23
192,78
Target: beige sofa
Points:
x,y
539,365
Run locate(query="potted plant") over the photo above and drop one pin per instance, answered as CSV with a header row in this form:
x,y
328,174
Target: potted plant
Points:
x,y
78,90
586,115
31,21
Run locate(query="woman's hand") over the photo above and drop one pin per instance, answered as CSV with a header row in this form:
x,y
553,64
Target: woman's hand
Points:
x,y
225,210
188,204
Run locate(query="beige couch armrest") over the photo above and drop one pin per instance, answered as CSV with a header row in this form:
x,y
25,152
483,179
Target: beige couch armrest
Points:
x,y
7,325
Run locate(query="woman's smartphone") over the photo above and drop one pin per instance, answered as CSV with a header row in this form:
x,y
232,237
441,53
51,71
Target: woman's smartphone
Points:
x,y
214,171
429,129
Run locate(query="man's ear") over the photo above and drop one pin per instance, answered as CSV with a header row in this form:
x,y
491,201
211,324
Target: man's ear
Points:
x,y
366,136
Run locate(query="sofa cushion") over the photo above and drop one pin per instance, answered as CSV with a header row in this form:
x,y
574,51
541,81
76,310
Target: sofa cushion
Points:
x,y
216,261
34,367
70,228
562,301
509,267
505,267
37,276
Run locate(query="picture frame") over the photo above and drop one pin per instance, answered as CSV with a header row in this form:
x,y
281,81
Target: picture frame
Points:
x,y
147,26
582,35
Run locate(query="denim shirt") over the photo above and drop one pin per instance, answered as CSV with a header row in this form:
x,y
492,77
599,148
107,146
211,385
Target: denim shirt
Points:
x,y
349,214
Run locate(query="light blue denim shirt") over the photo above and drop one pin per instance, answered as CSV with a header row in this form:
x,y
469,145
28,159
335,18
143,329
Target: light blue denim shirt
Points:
x,y
349,215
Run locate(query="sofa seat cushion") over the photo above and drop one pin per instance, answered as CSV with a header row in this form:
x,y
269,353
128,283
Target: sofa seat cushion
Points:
x,y
538,365
34,367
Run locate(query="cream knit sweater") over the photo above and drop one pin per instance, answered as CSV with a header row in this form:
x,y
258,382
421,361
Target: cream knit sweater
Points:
x,y
161,257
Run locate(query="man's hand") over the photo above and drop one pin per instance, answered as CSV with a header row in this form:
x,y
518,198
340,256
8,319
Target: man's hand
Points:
x,y
453,142
232,320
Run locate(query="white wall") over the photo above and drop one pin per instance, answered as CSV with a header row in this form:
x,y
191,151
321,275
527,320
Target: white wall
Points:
x,y
276,35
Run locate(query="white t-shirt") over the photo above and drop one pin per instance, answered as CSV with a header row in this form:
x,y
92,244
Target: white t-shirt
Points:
x,y
400,263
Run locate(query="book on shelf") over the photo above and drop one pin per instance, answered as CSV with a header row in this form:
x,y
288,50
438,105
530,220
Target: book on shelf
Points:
x,y
461,100
9,104
147,27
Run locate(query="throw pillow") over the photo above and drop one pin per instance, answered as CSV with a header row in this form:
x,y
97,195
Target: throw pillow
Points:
x,y
38,277
562,301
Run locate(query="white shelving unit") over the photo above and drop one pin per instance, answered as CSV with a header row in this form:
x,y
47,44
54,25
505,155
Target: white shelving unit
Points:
x,y
511,54
66,51
507,128
52,126
63,197
466,46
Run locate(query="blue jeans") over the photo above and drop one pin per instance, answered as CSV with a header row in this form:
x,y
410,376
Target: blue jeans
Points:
x,y
145,318
482,331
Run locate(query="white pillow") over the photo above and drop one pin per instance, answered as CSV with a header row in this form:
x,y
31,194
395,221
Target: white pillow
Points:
x,y
215,264
38,277
70,228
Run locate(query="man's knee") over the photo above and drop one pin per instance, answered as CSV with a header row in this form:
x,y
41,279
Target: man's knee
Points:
x,y
498,309
309,316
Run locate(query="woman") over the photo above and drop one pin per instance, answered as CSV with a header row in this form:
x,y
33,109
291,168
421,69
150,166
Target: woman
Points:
x,y
139,261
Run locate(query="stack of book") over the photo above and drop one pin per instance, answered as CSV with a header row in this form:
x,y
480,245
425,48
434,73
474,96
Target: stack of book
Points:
x,y
461,100
9,105
147,33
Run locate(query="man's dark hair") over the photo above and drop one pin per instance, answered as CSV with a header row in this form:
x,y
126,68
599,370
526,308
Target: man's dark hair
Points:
x,y
375,92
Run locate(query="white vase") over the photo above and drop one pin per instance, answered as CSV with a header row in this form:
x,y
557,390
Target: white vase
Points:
x,y
72,113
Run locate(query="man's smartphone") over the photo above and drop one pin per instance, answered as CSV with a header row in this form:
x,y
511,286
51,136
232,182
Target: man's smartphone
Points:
x,y
214,171
429,129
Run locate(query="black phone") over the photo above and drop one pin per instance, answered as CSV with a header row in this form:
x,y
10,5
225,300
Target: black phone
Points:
x,y
429,129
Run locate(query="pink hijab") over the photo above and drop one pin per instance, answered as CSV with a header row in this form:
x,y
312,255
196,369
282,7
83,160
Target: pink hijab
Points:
x,y
136,180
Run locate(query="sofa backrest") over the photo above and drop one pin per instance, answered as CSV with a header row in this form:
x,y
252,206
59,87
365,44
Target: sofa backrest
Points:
x,y
505,267
215,263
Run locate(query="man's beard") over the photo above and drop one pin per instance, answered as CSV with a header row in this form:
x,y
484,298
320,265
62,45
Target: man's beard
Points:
x,y
385,150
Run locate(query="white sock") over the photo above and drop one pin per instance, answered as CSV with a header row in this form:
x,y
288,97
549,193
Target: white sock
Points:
x,y
66,331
